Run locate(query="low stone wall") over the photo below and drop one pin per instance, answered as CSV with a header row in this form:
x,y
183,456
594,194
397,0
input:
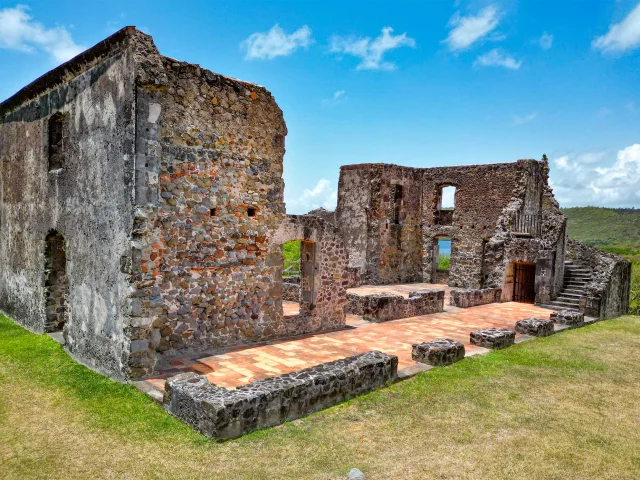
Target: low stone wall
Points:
x,y
291,289
221,414
385,307
473,298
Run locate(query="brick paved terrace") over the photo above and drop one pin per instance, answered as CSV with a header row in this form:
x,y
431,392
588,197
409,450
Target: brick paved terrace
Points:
x,y
242,365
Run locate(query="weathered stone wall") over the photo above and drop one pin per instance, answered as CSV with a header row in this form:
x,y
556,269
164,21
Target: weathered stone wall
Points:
x,y
323,274
222,414
212,147
326,215
473,298
609,288
379,208
546,251
482,193
384,307
88,201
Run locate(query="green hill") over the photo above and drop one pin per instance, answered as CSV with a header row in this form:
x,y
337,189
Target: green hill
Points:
x,y
615,229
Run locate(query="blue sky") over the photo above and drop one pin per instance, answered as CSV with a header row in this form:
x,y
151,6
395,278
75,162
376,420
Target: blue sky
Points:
x,y
412,83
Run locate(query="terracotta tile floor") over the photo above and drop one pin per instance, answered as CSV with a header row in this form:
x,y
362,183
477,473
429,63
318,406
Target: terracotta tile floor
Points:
x,y
240,366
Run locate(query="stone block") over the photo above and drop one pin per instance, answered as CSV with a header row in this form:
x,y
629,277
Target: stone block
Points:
x,y
570,318
493,338
473,298
221,414
438,352
536,327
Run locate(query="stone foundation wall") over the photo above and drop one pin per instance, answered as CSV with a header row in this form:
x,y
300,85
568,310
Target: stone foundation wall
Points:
x,y
291,289
222,414
384,307
473,298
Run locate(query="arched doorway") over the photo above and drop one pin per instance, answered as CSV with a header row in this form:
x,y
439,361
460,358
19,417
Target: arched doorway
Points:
x,y
55,282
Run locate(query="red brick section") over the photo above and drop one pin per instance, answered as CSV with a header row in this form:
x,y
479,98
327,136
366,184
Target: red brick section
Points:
x,y
240,366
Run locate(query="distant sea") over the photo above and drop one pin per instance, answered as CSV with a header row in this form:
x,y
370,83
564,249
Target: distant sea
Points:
x,y
445,247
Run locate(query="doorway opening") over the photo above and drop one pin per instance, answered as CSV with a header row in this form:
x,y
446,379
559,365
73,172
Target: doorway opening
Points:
x,y
441,259
55,282
298,277
524,279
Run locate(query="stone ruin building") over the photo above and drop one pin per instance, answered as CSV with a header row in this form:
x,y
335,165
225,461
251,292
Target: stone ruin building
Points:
x,y
142,212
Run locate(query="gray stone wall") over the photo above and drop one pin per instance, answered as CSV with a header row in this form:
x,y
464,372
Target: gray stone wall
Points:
x,y
473,298
88,201
324,277
609,288
379,215
481,226
222,414
384,307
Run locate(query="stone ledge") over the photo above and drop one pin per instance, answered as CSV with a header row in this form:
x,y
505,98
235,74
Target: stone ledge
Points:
x,y
384,307
569,318
440,352
536,327
473,298
223,414
493,338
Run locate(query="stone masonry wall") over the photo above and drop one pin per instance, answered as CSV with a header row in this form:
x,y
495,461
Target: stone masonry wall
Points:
x,y
609,288
86,198
324,277
484,244
379,215
384,307
211,193
223,414
473,298
482,193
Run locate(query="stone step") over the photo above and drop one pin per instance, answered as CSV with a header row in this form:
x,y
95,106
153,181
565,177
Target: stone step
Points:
x,y
568,301
564,305
575,291
572,283
557,307
579,277
585,271
569,294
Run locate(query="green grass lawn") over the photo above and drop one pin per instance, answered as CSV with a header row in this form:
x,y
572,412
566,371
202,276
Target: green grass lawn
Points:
x,y
562,407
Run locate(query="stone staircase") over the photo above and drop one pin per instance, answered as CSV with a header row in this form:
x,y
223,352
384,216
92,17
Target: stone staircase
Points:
x,y
576,278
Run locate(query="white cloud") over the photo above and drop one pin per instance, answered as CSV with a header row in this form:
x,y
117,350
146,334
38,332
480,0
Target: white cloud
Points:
x,y
497,58
337,97
592,178
519,120
276,43
322,195
18,31
468,30
622,36
371,52
545,41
